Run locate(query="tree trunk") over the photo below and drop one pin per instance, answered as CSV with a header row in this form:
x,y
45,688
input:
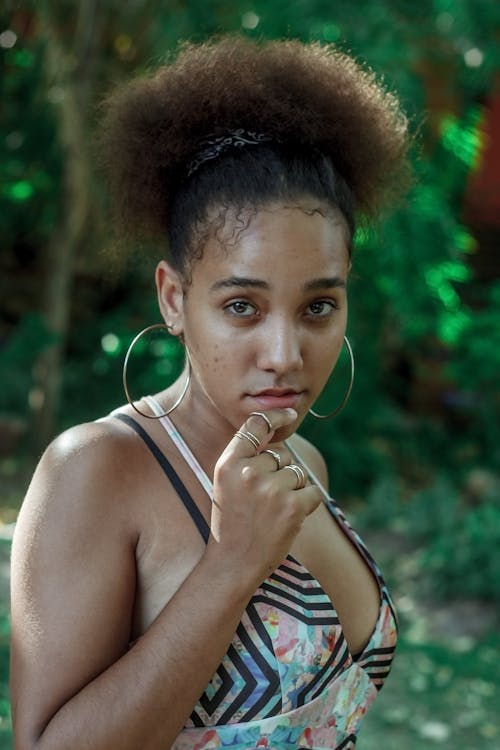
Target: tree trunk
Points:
x,y
68,74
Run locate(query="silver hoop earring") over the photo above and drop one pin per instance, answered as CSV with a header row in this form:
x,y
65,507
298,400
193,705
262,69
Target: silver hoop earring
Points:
x,y
124,374
347,393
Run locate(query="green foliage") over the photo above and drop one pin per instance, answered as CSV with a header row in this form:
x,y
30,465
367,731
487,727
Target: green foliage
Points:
x,y
477,362
30,160
16,364
466,560
97,349
457,529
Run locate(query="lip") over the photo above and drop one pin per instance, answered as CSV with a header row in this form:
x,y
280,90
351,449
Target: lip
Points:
x,y
277,398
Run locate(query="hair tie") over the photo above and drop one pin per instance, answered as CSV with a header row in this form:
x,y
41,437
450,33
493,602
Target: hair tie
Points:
x,y
213,146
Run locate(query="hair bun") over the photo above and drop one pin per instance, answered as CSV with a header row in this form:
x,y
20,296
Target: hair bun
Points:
x,y
309,94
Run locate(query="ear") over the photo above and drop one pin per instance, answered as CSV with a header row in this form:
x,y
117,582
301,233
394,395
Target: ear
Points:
x,y
170,297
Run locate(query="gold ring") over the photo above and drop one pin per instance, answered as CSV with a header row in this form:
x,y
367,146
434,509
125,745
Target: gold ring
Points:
x,y
246,435
264,417
276,457
299,473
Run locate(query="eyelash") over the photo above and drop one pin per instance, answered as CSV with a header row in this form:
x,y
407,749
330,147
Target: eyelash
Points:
x,y
252,310
330,304
230,308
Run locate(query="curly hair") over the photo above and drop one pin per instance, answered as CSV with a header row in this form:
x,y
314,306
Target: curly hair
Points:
x,y
335,134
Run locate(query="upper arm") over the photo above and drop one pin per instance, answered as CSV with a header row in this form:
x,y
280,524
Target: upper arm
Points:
x,y
73,578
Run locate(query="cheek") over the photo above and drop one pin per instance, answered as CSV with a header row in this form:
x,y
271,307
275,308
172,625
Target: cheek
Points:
x,y
217,358
325,358
330,344
213,360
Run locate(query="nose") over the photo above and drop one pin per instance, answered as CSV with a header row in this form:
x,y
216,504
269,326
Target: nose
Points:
x,y
280,348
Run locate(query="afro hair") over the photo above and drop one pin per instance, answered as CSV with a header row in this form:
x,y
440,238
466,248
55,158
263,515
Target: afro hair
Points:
x,y
308,96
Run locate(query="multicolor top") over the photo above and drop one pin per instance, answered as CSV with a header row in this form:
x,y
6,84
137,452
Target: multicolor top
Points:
x,y
288,680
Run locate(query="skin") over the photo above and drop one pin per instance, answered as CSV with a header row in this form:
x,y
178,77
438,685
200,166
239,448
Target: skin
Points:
x,y
120,613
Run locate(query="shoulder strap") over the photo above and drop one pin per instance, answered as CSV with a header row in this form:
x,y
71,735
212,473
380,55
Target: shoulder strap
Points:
x,y
174,478
181,446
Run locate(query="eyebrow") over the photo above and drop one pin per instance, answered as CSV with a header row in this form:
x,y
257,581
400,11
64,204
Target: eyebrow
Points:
x,y
239,281
327,282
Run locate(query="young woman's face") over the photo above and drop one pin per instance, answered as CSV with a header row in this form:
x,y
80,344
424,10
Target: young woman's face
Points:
x,y
264,319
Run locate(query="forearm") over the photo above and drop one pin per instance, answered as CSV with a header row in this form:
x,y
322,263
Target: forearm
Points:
x,y
143,700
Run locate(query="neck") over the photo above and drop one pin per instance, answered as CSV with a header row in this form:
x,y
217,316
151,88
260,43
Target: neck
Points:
x,y
204,429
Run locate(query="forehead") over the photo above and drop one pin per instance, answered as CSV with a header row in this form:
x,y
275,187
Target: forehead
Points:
x,y
275,242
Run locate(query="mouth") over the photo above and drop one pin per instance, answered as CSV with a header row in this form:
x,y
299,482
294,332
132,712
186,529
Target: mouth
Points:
x,y
277,398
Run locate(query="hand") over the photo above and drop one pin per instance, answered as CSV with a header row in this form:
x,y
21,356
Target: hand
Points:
x,y
258,510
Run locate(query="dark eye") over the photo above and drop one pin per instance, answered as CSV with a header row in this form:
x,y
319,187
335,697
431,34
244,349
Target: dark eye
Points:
x,y
240,308
321,308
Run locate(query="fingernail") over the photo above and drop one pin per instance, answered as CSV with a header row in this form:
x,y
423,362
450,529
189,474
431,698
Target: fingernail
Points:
x,y
291,412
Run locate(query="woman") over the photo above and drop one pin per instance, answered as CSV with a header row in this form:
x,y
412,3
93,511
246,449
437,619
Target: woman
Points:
x,y
185,581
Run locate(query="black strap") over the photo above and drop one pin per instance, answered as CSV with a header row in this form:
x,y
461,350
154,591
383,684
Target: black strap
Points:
x,y
169,470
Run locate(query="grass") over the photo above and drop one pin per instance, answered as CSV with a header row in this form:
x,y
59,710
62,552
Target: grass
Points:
x,y
438,695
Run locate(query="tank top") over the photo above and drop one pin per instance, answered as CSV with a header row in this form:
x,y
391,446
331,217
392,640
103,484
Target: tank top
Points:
x,y
288,680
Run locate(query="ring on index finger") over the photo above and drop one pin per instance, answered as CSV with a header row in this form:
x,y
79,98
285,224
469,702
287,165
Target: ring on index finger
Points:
x,y
264,417
246,435
276,457
299,473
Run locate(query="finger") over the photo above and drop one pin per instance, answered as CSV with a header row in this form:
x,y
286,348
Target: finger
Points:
x,y
297,474
263,415
254,434
280,457
265,423
309,498
250,438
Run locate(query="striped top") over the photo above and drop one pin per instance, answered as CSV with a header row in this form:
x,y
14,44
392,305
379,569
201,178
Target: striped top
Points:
x,y
288,680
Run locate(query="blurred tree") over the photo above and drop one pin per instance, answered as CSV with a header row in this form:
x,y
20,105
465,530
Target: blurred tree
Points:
x,y
413,317
69,74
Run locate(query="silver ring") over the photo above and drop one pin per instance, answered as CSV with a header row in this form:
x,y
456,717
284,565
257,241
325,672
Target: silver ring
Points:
x,y
264,417
276,457
299,473
246,435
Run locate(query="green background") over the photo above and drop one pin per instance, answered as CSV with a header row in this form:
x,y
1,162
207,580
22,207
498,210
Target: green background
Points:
x,y
414,457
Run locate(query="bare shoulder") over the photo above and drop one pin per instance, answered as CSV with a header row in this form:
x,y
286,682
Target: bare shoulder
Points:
x,y
81,474
311,457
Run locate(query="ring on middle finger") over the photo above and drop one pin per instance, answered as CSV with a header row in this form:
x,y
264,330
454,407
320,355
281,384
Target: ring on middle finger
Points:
x,y
247,435
299,473
276,457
